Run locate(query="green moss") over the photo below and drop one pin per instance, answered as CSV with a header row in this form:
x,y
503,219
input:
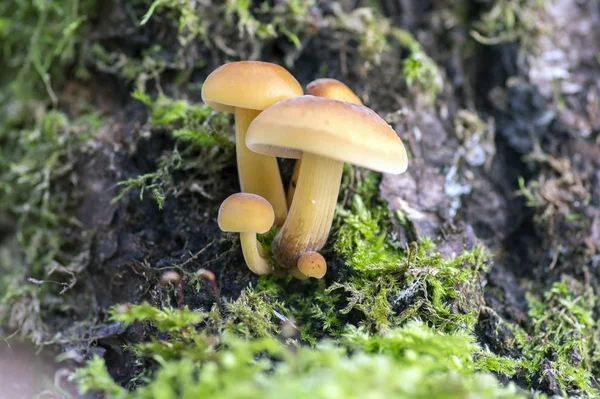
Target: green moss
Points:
x,y
38,143
197,26
168,320
392,316
378,37
96,377
254,315
418,68
457,351
564,344
422,285
287,19
37,178
530,191
411,362
37,37
363,238
189,25
203,136
509,20
391,285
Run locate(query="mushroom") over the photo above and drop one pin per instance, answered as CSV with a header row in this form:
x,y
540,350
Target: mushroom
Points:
x,y
312,264
328,88
246,88
324,133
333,89
248,214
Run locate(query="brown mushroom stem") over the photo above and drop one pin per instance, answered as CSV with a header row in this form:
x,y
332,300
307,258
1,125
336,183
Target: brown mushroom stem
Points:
x,y
259,174
293,182
309,219
254,260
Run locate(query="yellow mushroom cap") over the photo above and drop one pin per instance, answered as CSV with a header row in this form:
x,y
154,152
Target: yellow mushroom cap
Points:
x,y
312,264
333,129
248,84
332,88
246,213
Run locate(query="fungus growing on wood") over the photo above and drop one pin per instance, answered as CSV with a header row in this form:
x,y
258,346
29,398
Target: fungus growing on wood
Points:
x,y
246,88
248,214
324,133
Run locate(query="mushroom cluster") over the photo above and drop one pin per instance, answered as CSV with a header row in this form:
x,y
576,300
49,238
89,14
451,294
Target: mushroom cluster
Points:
x,y
322,129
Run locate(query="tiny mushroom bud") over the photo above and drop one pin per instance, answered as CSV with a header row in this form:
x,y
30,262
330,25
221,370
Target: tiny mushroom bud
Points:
x,y
210,276
246,88
324,133
312,264
248,214
328,88
170,277
173,277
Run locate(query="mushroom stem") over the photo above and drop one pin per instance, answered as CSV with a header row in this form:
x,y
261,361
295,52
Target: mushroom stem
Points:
x,y
255,262
309,220
296,273
259,174
293,182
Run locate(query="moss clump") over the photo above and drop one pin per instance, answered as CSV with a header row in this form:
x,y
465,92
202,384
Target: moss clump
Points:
x,y
38,149
233,28
413,361
390,286
254,313
36,178
418,68
37,38
204,145
509,21
363,238
378,37
287,19
563,349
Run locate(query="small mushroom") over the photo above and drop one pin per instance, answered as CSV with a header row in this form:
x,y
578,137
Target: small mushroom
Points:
x,y
328,88
312,264
333,89
324,133
172,277
246,88
248,214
